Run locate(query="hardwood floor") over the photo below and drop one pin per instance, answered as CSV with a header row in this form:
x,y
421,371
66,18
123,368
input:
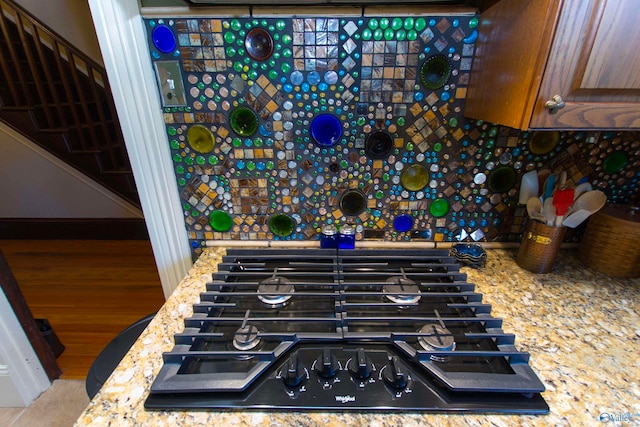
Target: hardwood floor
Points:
x,y
89,290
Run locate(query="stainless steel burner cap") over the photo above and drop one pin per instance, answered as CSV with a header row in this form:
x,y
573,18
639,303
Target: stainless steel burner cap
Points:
x,y
395,288
246,338
439,339
276,291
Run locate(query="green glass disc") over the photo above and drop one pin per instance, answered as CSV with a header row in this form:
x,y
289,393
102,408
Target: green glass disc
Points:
x,y
244,121
281,225
615,162
501,179
435,72
439,208
220,221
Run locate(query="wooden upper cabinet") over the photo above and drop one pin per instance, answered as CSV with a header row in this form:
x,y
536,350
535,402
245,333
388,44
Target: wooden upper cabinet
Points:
x,y
587,52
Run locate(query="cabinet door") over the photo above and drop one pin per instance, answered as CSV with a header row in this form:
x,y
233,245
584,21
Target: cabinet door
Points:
x,y
594,65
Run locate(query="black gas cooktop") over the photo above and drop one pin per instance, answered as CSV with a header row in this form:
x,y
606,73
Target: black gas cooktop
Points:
x,y
365,330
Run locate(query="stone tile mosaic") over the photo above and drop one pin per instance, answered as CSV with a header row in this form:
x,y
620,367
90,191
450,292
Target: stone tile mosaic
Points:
x,y
366,72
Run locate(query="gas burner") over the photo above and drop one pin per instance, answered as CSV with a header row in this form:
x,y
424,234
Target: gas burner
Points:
x,y
438,338
399,284
246,337
275,291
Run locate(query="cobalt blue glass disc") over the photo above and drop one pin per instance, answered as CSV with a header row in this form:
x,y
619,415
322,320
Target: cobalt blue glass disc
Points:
x,y
403,223
326,130
163,39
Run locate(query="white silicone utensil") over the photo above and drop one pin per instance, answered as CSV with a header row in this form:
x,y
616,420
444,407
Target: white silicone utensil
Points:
x,y
549,211
528,186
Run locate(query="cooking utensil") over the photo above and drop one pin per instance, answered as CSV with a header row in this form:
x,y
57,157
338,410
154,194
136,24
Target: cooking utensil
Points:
x,y
549,211
576,218
561,180
593,200
562,199
581,189
534,209
549,185
528,186
543,174
585,205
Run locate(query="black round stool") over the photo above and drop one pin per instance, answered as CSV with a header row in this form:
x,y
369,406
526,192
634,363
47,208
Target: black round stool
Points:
x,y
112,354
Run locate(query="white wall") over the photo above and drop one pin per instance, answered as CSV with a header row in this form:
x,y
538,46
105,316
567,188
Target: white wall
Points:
x,y
35,184
69,18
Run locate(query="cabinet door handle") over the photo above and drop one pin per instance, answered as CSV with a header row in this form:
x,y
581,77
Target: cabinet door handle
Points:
x,y
554,104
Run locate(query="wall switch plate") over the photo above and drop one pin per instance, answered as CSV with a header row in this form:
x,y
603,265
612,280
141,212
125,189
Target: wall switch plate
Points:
x,y
170,83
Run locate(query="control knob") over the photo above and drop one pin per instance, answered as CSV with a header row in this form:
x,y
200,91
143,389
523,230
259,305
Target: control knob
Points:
x,y
327,364
293,372
394,374
360,366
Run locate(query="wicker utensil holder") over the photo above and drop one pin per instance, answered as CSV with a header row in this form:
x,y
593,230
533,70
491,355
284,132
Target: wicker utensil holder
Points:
x,y
539,246
611,243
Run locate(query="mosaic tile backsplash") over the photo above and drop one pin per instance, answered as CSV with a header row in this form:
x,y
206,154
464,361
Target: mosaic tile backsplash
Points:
x,y
280,126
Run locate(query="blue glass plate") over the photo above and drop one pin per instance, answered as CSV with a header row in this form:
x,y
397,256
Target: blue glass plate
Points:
x,y
403,223
326,130
163,39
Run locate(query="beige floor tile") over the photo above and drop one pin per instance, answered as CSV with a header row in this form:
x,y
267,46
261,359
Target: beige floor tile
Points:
x,y
59,406
9,415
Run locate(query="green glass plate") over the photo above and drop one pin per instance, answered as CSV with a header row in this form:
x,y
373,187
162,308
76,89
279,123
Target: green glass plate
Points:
x,y
439,208
501,179
220,221
615,162
244,121
435,72
281,225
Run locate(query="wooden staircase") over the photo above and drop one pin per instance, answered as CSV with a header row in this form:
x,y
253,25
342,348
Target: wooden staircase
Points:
x,y
60,99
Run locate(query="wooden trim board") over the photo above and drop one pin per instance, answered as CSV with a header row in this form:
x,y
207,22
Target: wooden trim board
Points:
x,y
74,228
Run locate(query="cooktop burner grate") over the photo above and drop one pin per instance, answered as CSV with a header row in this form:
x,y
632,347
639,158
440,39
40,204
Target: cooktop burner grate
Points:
x,y
400,325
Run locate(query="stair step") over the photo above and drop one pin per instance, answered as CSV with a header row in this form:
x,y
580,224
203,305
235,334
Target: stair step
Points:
x,y
99,154
13,108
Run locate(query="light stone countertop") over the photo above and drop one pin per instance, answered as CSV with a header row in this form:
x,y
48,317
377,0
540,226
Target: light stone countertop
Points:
x,y
581,327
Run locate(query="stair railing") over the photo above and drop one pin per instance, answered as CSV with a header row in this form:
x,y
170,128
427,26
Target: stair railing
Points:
x,y
67,90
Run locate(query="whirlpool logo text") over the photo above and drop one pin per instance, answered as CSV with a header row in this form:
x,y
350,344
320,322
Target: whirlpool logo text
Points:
x,y
345,399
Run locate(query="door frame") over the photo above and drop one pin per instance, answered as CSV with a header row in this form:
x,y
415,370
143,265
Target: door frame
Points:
x,y
122,40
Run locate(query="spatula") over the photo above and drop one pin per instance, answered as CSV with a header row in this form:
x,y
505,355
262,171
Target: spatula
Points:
x,y
549,212
549,184
528,187
562,199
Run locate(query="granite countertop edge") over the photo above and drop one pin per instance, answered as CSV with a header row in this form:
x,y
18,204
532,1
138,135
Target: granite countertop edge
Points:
x,y
581,328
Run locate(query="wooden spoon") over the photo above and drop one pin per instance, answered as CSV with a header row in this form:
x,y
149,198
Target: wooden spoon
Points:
x,y
534,209
589,202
